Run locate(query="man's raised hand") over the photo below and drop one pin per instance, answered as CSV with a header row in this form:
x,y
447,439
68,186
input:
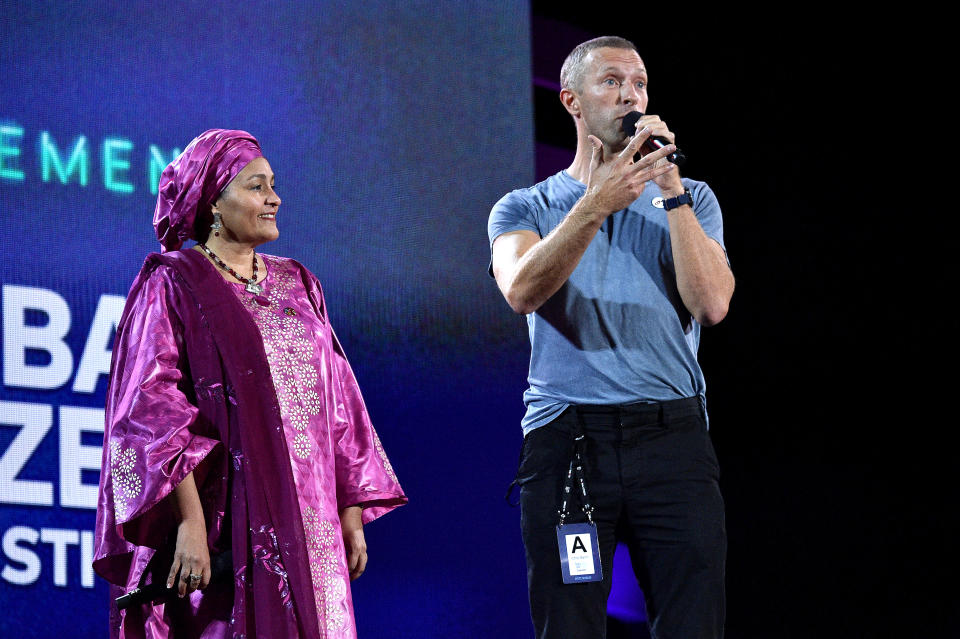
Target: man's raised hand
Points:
x,y
615,182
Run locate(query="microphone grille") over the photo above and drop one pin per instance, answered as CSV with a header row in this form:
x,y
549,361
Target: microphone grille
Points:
x,y
629,124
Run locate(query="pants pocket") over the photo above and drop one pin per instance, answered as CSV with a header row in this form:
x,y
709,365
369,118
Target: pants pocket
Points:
x,y
546,454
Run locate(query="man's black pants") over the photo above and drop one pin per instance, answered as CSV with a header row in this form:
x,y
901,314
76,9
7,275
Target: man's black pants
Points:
x,y
652,479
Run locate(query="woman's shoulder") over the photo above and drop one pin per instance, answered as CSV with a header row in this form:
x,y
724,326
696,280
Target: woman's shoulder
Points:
x,y
171,263
163,278
280,260
155,298
277,260
289,265
156,270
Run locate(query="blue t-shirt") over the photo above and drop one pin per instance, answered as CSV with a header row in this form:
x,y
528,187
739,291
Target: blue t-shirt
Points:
x,y
617,331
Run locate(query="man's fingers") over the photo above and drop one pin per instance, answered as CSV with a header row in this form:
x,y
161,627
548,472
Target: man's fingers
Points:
x,y
657,127
664,168
596,157
651,159
651,173
633,147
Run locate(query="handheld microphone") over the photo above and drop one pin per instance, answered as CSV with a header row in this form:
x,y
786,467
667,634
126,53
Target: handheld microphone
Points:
x,y
652,143
221,569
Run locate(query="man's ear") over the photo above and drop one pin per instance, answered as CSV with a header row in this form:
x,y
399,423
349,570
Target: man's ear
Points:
x,y
571,102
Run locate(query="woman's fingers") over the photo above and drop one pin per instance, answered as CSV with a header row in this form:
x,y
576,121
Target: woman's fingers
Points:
x,y
190,580
174,569
187,576
192,556
357,563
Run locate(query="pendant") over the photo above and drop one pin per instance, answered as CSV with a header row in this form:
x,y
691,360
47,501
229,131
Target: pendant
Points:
x,y
253,287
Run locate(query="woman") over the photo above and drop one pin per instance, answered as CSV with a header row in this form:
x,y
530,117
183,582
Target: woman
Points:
x,y
234,425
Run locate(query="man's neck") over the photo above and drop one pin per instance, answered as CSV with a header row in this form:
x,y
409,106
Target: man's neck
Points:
x,y
580,168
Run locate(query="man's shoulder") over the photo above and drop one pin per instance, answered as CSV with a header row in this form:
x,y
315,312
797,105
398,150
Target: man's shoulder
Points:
x,y
557,188
704,199
559,181
697,187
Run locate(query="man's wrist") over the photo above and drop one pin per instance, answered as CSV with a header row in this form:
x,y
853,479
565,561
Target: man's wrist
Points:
x,y
673,191
588,208
671,202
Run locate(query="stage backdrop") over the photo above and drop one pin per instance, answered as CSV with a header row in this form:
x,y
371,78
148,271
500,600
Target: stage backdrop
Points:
x,y
392,129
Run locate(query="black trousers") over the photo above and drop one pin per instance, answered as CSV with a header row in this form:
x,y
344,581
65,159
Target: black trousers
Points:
x,y
652,479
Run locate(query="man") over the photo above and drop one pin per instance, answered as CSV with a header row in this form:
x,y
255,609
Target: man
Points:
x,y
616,265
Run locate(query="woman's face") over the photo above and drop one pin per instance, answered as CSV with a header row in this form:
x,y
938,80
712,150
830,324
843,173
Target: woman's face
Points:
x,y
248,206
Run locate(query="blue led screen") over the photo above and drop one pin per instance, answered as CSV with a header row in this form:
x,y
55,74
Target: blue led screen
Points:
x,y
392,128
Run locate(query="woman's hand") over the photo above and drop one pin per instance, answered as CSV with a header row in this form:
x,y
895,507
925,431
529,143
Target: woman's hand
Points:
x,y
191,558
351,524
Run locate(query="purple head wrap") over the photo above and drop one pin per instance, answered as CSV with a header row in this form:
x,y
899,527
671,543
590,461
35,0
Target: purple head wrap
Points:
x,y
193,181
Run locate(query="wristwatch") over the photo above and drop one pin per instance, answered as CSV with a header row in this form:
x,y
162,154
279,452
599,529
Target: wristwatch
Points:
x,y
685,198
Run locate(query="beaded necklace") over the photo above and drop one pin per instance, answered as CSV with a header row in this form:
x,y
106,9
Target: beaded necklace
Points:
x,y
251,284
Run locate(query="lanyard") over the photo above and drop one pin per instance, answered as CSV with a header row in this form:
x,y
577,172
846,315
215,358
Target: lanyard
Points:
x,y
576,467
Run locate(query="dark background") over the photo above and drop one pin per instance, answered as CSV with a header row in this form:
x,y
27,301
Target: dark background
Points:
x,y
824,380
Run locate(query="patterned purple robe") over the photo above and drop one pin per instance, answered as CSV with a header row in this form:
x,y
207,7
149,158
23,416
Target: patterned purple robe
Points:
x,y
255,397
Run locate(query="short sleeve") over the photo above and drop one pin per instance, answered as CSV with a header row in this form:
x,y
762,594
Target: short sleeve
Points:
x,y
512,213
707,210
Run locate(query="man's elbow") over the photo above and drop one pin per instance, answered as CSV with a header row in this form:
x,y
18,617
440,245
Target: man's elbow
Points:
x,y
712,317
714,303
713,313
520,303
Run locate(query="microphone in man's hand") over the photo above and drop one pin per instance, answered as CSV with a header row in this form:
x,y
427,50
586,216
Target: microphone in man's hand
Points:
x,y
652,143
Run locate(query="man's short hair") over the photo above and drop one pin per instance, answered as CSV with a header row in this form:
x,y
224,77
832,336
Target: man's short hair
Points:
x,y
571,74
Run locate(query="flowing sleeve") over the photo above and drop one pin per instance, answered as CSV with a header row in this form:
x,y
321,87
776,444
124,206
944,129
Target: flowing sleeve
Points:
x,y
365,476
153,434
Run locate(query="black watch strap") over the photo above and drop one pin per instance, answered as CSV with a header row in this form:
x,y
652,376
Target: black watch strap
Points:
x,y
673,202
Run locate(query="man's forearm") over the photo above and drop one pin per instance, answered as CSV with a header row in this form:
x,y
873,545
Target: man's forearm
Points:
x,y
704,279
529,271
544,268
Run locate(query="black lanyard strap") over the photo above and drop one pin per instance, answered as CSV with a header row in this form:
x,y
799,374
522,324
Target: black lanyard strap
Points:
x,y
576,467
